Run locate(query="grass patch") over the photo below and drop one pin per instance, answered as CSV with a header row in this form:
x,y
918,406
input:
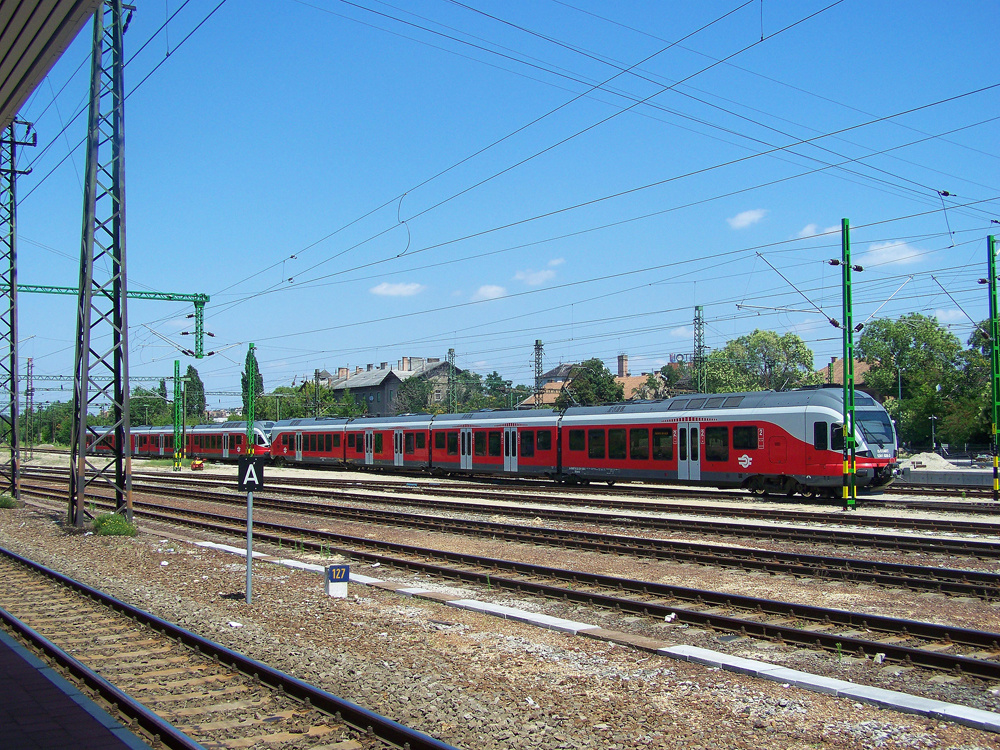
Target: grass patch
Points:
x,y
112,524
6,501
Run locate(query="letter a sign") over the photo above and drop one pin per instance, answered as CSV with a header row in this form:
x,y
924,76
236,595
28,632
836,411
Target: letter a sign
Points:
x,y
251,476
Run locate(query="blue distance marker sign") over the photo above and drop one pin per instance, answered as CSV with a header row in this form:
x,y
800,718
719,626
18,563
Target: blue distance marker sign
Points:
x,y
251,473
337,577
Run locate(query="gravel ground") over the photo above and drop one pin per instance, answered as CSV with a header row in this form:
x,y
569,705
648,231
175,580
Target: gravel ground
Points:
x,y
480,682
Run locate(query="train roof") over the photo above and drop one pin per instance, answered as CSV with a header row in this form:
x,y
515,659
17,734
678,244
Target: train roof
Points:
x,y
502,415
819,396
301,422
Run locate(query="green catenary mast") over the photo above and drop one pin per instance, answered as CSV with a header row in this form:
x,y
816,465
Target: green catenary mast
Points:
x,y
991,247
850,490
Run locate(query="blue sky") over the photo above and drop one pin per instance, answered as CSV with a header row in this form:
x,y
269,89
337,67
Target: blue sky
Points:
x,y
357,182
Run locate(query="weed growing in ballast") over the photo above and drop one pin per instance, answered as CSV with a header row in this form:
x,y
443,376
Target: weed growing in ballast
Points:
x,y
112,524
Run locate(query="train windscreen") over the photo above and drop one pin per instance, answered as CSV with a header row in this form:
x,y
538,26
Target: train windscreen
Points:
x,y
876,428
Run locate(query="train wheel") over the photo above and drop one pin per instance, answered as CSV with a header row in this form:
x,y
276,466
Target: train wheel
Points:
x,y
808,492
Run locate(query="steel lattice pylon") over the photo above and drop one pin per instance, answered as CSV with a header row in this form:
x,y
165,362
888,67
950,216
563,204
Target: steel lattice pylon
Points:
x,y
9,393
699,350
538,373
100,369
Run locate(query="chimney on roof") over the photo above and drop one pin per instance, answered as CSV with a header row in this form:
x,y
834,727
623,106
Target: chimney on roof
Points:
x,y
371,367
343,372
623,365
357,369
383,366
406,364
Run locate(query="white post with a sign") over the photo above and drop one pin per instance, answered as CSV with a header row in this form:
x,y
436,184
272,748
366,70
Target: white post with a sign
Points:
x,y
251,477
337,577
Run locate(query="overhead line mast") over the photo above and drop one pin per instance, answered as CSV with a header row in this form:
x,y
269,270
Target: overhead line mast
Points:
x,y
10,479
102,321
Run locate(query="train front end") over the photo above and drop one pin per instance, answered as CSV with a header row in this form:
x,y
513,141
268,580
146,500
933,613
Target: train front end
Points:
x,y
877,451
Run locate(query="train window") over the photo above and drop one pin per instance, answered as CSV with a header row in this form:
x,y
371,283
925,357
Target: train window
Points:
x,y
677,405
360,443
694,443
480,444
378,443
495,443
350,440
452,443
616,444
716,443
638,444
527,443
336,441
714,403
577,440
312,442
439,440
284,439
408,443
745,437
682,444
544,440
421,441
663,443
732,402
819,436
329,442
837,437
595,443
696,403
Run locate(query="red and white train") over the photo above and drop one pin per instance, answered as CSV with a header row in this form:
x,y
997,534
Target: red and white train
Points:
x,y
217,442
783,442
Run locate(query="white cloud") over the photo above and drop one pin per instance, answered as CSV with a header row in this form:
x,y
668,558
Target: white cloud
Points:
x,y
489,291
747,218
556,262
950,316
684,332
811,230
884,253
385,289
534,278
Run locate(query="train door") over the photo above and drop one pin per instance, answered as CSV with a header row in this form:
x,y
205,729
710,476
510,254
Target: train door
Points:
x,y
510,449
159,441
298,446
465,448
225,445
397,447
369,448
688,451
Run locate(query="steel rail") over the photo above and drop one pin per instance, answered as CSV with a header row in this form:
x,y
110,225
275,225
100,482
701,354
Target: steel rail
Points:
x,y
360,718
163,731
484,571
942,580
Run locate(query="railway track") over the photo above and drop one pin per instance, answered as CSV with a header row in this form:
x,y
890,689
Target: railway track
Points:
x,y
365,493
963,651
913,577
181,689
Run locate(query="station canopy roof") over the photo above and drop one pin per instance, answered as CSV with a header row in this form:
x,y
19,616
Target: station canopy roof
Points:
x,y
33,34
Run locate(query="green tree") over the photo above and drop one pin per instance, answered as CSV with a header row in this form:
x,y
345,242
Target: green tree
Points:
x,y
348,406
413,396
919,363
761,361
258,385
590,383
195,403
149,407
